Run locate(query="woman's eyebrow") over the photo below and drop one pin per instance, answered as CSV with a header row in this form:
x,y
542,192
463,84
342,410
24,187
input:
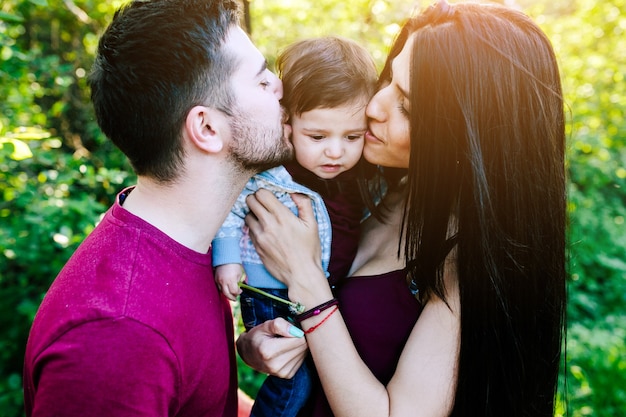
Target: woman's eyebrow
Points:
x,y
404,92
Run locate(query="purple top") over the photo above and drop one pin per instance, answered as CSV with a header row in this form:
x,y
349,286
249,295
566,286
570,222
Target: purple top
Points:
x,y
132,326
380,313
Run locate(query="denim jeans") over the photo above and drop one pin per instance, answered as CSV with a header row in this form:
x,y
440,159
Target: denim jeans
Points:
x,y
277,397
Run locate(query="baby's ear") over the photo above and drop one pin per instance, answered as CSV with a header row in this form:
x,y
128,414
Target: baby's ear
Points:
x,y
207,128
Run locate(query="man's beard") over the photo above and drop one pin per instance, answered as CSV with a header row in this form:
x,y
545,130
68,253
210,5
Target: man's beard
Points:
x,y
258,148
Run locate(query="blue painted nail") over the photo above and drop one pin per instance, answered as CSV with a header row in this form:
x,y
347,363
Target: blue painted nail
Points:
x,y
295,332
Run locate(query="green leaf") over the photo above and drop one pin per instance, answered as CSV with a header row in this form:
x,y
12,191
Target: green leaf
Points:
x,y
11,18
42,3
20,149
29,133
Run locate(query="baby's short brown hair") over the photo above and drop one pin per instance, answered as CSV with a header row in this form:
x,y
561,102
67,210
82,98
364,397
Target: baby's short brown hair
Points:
x,y
325,72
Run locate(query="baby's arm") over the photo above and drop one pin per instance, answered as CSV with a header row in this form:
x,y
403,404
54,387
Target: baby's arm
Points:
x,y
226,251
227,277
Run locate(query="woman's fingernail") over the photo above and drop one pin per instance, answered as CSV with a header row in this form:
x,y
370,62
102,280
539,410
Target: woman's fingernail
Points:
x,y
295,332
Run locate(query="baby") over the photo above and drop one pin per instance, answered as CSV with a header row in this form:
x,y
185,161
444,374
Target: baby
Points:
x,y
327,84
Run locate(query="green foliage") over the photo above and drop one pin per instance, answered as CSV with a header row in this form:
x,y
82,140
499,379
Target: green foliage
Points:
x,y
374,24
58,173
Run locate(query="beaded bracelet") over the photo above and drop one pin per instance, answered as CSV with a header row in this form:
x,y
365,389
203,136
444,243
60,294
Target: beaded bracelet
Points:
x,y
312,329
316,310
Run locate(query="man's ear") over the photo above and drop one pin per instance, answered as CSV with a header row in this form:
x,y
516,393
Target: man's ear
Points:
x,y
206,128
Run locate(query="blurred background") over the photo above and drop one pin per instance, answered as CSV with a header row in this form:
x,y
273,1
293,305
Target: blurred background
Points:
x,y
58,173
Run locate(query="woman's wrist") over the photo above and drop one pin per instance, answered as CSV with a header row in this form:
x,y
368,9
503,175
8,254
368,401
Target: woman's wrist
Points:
x,y
311,292
322,320
317,310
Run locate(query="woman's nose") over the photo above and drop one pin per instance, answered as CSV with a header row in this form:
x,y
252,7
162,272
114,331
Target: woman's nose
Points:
x,y
375,108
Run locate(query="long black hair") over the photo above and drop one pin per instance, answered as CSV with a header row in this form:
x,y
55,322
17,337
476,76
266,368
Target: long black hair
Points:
x,y
487,177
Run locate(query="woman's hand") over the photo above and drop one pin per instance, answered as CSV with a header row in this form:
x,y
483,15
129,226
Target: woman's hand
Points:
x,y
274,347
288,245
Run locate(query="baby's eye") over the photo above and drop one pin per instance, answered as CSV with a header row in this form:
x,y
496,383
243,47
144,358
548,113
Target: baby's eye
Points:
x,y
316,137
354,137
265,83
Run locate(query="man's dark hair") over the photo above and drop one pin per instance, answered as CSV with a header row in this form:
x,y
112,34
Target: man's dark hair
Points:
x,y
155,61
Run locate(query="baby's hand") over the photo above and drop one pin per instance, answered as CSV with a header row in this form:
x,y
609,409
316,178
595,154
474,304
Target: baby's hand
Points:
x,y
227,278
